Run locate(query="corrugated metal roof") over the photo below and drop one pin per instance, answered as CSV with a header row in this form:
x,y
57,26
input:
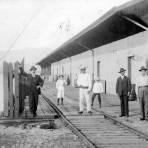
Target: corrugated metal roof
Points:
x,y
110,27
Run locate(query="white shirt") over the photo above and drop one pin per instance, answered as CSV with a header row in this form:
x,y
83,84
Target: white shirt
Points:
x,y
141,81
84,79
97,87
60,84
122,77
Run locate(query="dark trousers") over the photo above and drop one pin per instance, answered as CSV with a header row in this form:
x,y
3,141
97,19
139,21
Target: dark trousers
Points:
x,y
124,105
93,98
143,98
143,108
33,102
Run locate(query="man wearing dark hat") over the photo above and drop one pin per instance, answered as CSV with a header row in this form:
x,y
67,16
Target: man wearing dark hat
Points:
x,y
142,91
123,89
35,82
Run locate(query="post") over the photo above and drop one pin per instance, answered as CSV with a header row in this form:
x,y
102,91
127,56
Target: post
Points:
x,y
70,71
16,76
6,91
92,57
92,64
11,105
23,63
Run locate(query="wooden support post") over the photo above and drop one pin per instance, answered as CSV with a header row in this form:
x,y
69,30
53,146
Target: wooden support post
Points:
x,y
6,94
22,92
70,69
11,105
22,63
16,76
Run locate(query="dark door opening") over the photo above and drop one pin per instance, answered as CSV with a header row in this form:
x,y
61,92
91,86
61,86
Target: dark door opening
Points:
x,y
63,70
98,69
129,66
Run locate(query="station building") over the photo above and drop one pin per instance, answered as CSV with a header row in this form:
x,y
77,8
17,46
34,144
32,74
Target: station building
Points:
x,y
117,39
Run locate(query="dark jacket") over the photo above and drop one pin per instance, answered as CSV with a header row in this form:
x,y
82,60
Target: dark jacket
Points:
x,y
33,82
123,86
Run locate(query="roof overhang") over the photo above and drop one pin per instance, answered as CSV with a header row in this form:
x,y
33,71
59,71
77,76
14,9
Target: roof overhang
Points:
x,y
118,23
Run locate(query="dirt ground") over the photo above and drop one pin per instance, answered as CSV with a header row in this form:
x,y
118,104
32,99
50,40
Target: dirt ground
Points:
x,y
34,137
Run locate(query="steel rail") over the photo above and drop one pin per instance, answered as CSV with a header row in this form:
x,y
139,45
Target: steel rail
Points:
x,y
131,129
74,129
116,121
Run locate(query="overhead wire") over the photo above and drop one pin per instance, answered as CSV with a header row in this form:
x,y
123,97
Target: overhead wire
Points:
x,y
20,34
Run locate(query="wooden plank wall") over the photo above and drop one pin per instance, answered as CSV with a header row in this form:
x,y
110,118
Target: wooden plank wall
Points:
x,y
16,77
11,106
11,81
6,93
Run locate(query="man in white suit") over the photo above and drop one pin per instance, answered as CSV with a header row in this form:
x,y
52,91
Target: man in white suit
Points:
x,y
84,84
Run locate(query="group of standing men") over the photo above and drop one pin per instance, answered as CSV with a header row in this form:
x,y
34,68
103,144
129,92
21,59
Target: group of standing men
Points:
x,y
123,89
84,83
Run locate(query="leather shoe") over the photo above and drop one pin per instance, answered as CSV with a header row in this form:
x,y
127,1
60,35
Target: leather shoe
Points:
x,y
80,112
90,112
120,115
141,119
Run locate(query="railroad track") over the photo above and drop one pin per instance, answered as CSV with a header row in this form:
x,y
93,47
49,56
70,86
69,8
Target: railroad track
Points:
x,y
98,132
74,129
138,132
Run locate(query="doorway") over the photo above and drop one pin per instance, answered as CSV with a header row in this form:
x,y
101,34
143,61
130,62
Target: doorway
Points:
x,y
63,70
129,66
98,69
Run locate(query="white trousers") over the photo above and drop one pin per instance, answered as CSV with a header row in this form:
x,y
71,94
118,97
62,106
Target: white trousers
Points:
x,y
83,95
60,93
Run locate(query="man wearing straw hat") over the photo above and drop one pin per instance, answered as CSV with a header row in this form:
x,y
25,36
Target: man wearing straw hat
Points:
x,y
123,89
84,83
142,91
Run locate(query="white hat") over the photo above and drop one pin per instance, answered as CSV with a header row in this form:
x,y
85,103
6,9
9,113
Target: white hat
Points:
x,y
82,67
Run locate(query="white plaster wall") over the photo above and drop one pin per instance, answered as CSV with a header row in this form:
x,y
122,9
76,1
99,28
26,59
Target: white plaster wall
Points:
x,y
81,59
65,63
112,57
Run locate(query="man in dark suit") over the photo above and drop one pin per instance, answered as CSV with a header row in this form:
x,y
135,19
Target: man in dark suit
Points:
x,y
123,89
34,84
22,88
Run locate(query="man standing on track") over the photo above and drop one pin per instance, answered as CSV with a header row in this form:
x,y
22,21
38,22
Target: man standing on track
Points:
x,y
35,82
123,89
85,84
142,91
60,89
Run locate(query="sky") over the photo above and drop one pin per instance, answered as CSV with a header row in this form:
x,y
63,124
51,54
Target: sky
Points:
x,y
31,29
34,28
